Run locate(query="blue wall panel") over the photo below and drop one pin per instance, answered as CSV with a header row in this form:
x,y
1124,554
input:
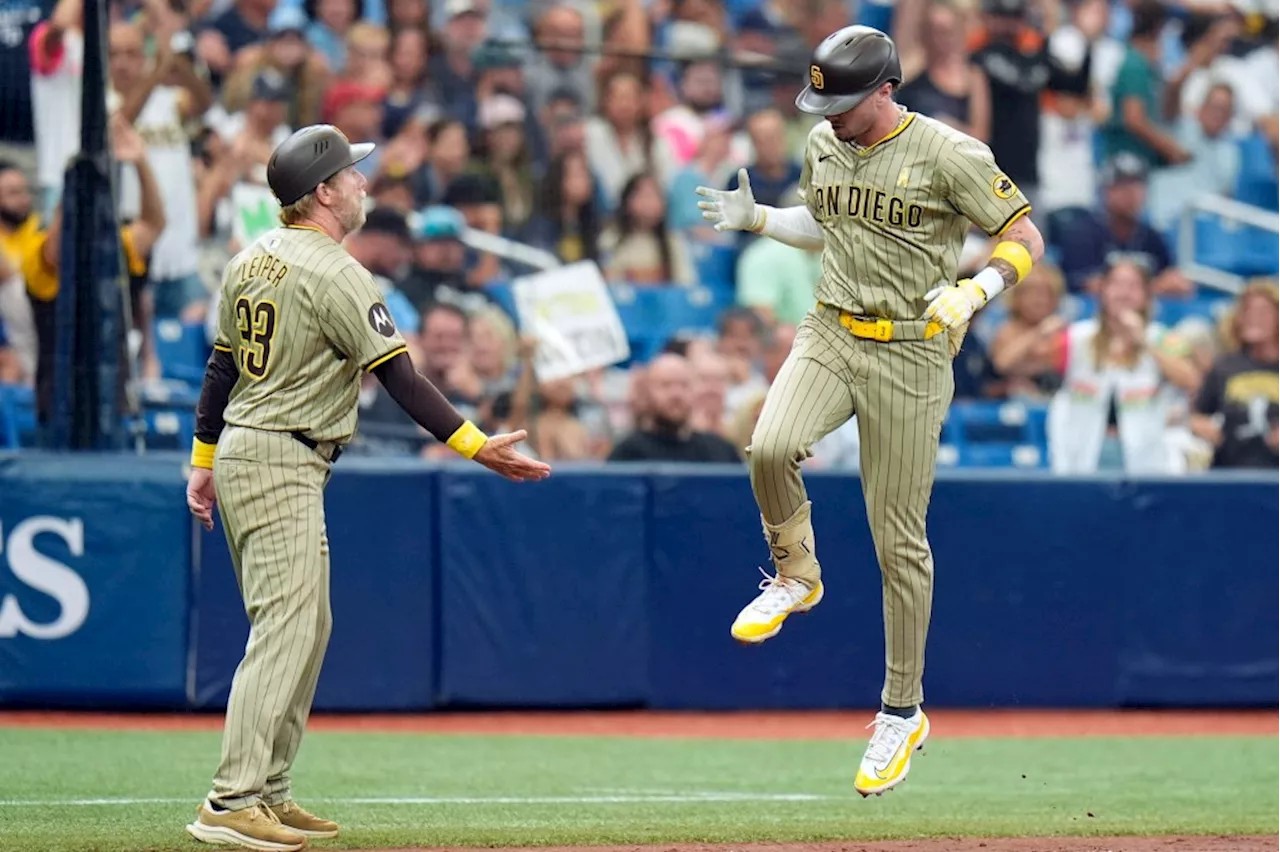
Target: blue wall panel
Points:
x,y
380,519
707,547
1199,621
107,604
542,589
452,587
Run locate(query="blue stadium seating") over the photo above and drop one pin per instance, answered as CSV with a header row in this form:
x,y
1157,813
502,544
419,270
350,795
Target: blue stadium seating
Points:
x,y
17,417
1257,182
181,348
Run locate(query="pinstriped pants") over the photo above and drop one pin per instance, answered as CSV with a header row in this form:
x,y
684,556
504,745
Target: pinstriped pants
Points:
x,y
271,499
900,393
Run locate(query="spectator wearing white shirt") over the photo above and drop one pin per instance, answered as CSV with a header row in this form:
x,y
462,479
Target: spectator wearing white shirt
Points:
x,y
158,102
1215,159
57,59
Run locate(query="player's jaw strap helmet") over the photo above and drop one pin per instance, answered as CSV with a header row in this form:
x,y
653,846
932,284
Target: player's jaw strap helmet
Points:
x,y
848,65
310,157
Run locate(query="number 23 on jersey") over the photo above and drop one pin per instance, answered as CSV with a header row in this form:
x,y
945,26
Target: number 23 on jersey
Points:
x,y
256,321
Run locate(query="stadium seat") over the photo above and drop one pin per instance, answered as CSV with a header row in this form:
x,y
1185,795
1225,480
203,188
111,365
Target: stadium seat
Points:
x,y
17,417
1002,455
1257,183
978,421
181,348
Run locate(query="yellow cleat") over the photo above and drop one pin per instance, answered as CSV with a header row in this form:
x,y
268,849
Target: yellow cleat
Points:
x,y
888,756
779,597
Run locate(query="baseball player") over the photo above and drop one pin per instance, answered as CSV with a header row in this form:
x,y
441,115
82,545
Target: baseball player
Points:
x,y
888,195
300,320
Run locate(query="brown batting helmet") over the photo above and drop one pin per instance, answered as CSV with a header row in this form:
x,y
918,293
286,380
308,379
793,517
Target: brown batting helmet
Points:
x,y
310,157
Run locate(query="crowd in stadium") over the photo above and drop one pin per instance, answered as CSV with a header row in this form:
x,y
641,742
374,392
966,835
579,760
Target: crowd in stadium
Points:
x,y
582,128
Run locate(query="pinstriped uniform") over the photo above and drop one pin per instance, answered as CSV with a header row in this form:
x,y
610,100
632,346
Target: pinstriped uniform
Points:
x,y
894,217
302,319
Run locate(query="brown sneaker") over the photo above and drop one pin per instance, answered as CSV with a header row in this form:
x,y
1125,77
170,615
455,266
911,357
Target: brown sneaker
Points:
x,y
291,815
254,828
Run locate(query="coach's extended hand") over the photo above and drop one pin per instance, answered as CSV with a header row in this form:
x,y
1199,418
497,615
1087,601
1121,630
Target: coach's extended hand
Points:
x,y
730,210
953,305
500,455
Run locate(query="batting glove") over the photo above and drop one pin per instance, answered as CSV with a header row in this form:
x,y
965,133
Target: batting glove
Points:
x,y
954,305
731,211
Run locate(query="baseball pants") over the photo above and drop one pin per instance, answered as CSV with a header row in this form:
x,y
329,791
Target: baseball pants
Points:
x,y
900,392
270,493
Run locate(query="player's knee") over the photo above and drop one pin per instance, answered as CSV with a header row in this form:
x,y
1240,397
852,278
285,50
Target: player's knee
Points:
x,y
771,453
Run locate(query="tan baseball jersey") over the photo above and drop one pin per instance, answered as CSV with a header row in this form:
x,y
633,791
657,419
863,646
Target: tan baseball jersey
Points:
x,y
894,214
302,319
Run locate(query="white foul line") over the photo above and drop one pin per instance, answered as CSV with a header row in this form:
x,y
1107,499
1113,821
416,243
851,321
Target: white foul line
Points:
x,y
673,798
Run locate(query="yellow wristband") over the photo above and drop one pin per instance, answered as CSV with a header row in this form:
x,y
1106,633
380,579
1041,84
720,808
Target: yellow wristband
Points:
x,y
202,454
468,440
1016,255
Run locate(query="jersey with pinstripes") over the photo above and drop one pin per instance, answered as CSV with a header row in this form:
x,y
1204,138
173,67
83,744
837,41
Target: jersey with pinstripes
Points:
x,y
894,216
302,318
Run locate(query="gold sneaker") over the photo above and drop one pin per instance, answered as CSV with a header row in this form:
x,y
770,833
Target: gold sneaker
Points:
x,y
253,828
292,816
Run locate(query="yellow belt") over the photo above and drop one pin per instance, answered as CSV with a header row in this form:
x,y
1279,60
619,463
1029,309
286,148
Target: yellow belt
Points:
x,y
884,330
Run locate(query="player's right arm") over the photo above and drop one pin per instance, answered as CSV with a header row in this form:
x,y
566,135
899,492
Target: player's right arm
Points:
x,y
737,210
220,376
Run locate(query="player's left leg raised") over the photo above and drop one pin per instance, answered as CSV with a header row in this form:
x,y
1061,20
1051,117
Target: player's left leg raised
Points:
x,y
809,398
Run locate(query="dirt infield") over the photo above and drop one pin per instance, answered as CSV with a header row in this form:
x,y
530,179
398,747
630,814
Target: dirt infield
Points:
x,y
793,725
946,844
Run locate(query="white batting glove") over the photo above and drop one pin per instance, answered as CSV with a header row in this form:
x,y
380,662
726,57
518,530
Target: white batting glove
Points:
x,y
731,211
954,305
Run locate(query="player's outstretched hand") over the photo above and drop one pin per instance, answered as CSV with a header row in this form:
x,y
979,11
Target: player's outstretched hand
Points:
x,y
500,455
730,210
953,305
201,496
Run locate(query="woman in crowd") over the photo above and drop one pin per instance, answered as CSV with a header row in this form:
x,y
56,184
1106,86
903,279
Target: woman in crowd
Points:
x,y
940,80
639,249
410,89
1122,374
505,150
567,221
327,32
1236,410
1027,349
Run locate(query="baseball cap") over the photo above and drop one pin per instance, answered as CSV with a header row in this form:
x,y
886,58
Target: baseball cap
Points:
x,y
454,8
286,19
499,109
386,220
472,188
270,85
437,222
1124,166
341,95
1005,8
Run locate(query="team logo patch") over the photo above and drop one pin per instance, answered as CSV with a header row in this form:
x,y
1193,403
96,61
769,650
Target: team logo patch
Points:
x,y
1003,187
380,320
815,77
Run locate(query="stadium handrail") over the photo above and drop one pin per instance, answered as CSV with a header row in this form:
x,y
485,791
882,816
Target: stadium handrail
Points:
x,y
1226,208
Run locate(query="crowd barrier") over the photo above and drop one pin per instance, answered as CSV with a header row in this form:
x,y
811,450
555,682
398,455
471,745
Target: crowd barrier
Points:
x,y
452,588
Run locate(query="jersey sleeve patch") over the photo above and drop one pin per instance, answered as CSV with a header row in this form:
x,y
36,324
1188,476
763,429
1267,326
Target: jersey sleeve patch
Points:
x,y
1003,187
380,320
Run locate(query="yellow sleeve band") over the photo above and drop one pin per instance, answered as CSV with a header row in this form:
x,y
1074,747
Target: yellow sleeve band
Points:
x,y
1016,255
468,440
202,454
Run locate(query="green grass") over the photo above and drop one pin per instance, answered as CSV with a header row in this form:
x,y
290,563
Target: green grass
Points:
x,y
960,787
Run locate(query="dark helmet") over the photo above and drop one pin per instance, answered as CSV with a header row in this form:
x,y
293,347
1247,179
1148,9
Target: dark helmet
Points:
x,y
850,64
310,157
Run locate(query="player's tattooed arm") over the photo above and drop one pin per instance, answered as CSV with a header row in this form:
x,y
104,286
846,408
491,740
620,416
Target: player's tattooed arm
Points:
x,y
1022,232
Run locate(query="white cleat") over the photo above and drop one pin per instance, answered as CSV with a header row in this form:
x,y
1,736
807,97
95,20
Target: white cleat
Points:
x,y
888,757
779,597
